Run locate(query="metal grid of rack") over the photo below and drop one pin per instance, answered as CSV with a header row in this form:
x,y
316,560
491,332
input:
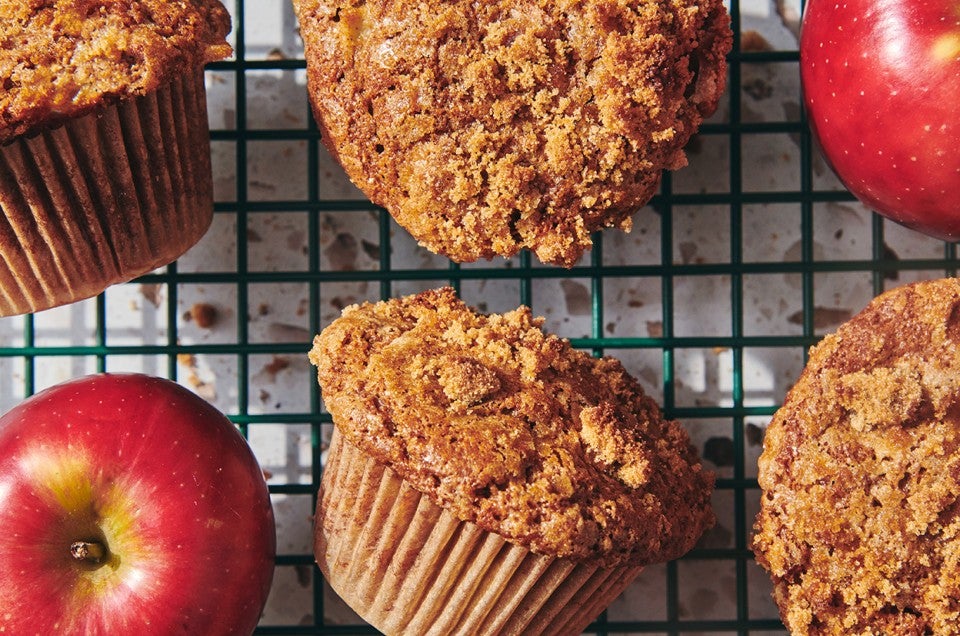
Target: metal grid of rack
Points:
x,y
740,263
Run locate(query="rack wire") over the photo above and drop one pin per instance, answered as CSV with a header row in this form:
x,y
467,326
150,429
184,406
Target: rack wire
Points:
x,y
729,276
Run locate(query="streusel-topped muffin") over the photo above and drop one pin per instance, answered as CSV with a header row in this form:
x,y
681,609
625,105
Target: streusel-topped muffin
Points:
x,y
496,426
488,127
860,473
104,145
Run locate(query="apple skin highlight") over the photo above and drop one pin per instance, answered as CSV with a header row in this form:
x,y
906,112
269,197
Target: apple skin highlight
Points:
x,y
163,490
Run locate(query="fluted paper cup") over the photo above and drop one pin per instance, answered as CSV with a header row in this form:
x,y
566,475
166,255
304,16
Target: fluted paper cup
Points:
x,y
407,566
103,198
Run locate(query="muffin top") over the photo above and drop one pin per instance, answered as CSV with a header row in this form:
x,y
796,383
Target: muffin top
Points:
x,y
513,429
487,127
860,473
63,58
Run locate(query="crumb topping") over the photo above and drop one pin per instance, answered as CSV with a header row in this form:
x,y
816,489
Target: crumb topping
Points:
x,y
860,474
466,382
487,127
513,429
63,58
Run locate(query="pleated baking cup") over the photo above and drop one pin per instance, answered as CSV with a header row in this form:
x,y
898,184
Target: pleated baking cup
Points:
x,y
407,566
103,198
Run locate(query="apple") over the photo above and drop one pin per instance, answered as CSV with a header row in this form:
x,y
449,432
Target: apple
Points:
x,y
881,83
129,505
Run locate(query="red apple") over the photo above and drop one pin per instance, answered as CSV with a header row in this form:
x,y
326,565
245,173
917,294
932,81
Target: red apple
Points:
x,y
881,81
129,505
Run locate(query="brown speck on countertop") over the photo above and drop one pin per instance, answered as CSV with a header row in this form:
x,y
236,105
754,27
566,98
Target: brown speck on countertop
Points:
x,y
577,297
153,292
372,250
753,434
754,41
275,366
890,255
822,317
720,451
282,332
303,307
203,315
688,252
187,360
342,252
203,388
655,328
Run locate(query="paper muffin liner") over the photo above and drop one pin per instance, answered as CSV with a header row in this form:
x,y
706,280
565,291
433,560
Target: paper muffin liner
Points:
x,y
105,197
408,566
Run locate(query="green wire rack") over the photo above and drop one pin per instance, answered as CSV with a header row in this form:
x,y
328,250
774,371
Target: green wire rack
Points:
x,y
639,297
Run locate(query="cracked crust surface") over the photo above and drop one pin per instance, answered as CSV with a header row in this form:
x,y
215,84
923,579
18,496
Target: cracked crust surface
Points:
x,y
513,429
487,127
860,473
63,58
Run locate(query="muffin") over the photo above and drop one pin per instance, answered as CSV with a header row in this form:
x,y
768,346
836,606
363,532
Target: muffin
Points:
x,y
485,477
104,143
489,127
858,525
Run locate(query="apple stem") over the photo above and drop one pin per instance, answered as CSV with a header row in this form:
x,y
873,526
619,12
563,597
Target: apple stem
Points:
x,y
88,551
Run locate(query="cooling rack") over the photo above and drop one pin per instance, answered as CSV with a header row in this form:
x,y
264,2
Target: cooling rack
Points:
x,y
742,261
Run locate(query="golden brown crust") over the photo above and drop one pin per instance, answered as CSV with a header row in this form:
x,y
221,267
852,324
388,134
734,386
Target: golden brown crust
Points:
x,y
63,58
860,474
487,127
513,429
